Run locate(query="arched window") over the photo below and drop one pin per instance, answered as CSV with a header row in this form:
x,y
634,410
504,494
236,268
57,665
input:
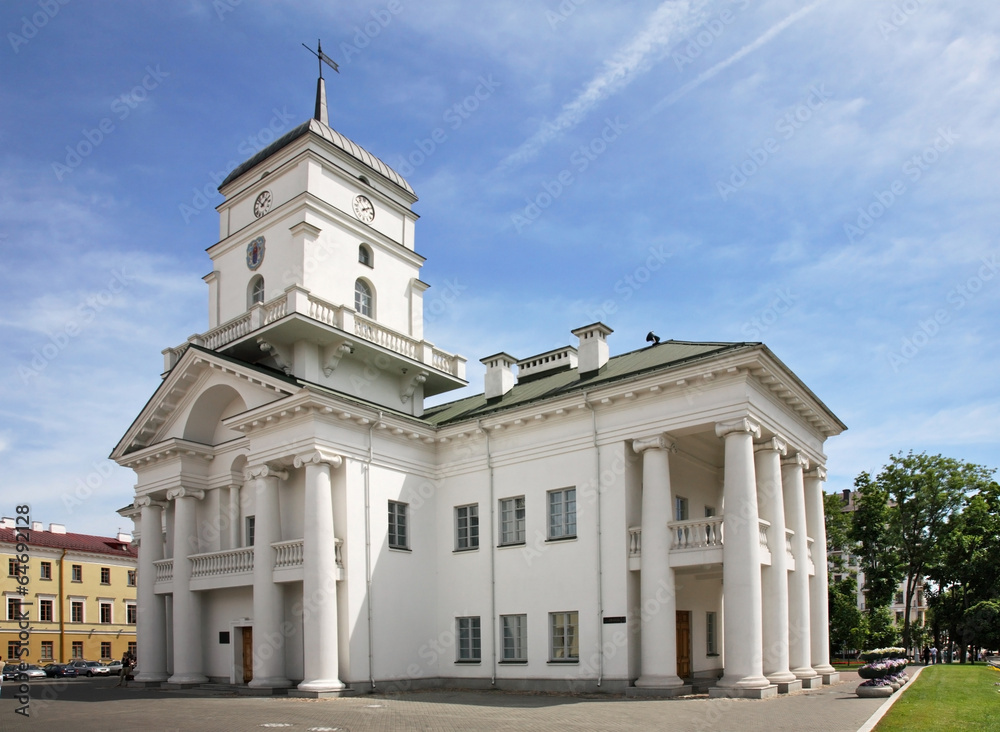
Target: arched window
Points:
x,y
364,302
255,291
365,255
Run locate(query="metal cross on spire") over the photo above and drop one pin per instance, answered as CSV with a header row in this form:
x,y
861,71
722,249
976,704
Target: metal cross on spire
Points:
x,y
322,58
321,112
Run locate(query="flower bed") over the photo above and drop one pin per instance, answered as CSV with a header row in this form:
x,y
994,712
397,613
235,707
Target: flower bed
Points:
x,y
884,667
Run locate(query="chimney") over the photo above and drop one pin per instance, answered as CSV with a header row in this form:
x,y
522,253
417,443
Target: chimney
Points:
x,y
499,376
37,526
847,496
124,538
57,528
593,349
7,523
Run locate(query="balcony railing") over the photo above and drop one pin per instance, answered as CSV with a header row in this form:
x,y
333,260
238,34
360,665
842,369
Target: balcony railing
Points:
x,y
216,564
164,570
696,533
298,300
763,527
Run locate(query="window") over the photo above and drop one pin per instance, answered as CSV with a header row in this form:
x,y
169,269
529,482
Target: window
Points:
x,y
709,511
13,568
364,304
47,650
106,613
899,598
45,611
467,527
469,647
562,513
105,650
131,578
365,255
13,608
45,572
105,575
397,525
248,531
565,643
680,508
76,573
512,520
77,650
132,648
255,291
13,650
130,613
76,611
515,638
711,634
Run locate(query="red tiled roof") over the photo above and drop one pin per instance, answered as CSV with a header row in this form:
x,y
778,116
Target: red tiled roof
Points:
x,y
79,542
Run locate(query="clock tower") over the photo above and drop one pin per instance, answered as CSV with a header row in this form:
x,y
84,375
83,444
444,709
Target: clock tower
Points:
x,y
315,273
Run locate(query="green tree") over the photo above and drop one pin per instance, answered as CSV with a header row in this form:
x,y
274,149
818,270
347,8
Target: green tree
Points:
x,y
848,629
882,631
982,624
875,546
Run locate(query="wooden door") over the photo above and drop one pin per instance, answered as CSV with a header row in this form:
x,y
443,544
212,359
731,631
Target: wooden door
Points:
x,y
247,654
684,643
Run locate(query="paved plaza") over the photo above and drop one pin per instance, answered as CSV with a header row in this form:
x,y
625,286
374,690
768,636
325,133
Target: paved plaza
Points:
x,y
97,704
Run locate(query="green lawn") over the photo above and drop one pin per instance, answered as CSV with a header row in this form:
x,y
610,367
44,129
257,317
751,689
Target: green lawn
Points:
x,y
948,698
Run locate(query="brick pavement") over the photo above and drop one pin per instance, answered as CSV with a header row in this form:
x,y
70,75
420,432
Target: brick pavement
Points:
x,y
96,704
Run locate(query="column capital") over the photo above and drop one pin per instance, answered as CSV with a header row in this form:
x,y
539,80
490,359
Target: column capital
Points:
x,y
777,443
318,456
798,459
185,492
264,470
745,425
817,473
147,501
660,442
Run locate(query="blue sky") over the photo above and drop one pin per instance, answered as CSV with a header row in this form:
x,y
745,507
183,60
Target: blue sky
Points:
x,y
820,176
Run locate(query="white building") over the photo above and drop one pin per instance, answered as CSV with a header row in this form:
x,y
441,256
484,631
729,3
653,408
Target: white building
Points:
x,y
305,521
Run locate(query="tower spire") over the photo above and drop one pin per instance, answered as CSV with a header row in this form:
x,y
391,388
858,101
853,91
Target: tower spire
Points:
x,y
321,114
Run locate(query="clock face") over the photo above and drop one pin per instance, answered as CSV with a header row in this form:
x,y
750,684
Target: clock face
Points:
x,y
363,209
262,205
255,252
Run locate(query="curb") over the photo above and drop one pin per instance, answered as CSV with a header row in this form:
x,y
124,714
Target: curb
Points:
x,y
887,704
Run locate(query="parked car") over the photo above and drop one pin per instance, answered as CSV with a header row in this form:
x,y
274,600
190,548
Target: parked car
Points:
x,y
10,672
115,667
34,671
98,668
60,670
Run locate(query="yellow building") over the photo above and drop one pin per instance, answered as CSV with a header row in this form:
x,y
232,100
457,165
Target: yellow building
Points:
x,y
75,592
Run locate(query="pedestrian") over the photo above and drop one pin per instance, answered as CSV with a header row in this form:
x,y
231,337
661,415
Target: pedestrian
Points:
x,y
123,673
926,655
933,654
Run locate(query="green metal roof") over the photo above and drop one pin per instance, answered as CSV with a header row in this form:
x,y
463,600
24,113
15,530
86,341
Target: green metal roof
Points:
x,y
663,355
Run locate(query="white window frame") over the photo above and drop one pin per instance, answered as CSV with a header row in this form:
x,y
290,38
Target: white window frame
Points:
x,y
365,255
514,638
467,527
255,291
561,509
399,530
45,570
468,639
249,530
132,609
83,609
364,298
105,602
680,508
52,606
13,601
512,525
564,637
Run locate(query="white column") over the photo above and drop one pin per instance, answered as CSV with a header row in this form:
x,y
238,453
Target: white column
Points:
x,y
741,599
657,591
151,620
320,626
799,651
234,516
268,613
819,614
774,579
188,657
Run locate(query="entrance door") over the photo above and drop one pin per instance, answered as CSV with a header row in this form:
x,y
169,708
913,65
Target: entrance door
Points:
x,y
247,654
684,644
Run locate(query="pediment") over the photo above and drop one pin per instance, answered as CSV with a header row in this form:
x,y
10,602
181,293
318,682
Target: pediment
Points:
x,y
201,391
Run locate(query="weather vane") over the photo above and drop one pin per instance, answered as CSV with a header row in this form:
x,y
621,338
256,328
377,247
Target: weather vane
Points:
x,y
322,58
